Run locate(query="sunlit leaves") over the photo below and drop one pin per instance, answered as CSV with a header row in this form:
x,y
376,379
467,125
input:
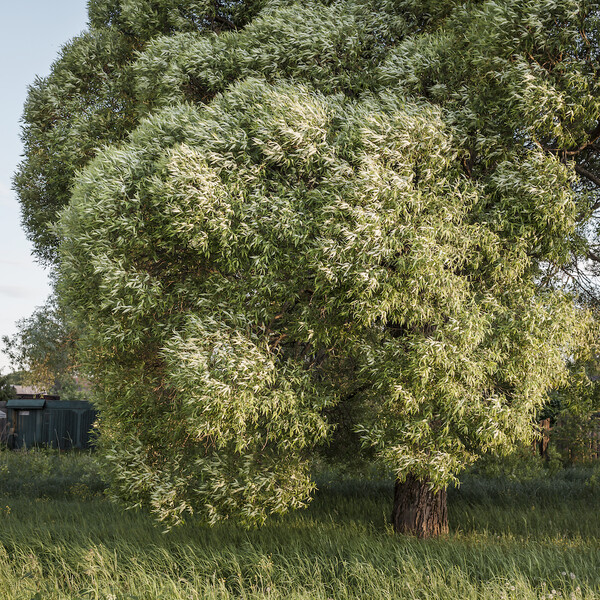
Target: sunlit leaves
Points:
x,y
276,208
238,267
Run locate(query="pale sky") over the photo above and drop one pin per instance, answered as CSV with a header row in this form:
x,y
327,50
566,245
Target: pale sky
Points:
x,y
31,35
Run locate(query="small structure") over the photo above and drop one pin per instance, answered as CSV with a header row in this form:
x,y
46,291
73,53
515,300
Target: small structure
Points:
x,y
3,423
44,420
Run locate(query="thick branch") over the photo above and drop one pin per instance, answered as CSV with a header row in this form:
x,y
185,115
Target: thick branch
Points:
x,y
225,21
588,175
594,134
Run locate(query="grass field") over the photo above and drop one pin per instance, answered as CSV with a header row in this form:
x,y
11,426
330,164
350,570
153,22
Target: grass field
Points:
x,y
61,539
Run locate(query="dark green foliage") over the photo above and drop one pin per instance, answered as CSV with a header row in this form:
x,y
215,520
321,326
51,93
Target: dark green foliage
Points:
x,y
573,410
143,19
84,103
7,390
44,474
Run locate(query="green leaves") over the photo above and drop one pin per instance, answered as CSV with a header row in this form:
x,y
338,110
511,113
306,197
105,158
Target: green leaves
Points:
x,y
272,251
275,209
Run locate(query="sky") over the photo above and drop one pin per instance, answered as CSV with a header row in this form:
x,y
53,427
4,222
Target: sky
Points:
x,y
32,33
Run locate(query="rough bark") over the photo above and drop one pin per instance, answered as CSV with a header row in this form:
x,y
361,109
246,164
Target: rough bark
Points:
x,y
418,510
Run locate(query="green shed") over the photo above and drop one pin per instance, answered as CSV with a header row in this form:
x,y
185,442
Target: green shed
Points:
x,y
3,422
53,423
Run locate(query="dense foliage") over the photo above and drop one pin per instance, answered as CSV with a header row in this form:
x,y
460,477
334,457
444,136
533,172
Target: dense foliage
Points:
x,y
362,204
89,99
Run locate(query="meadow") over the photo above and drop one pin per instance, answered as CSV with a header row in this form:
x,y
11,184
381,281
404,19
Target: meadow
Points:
x,y
61,538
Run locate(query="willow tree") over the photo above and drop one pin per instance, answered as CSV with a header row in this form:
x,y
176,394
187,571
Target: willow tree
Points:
x,y
365,204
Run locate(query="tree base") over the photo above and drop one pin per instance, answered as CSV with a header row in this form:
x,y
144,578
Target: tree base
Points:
x,y
419,511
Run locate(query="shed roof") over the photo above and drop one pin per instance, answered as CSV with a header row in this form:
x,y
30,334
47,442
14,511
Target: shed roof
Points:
x,y
26,403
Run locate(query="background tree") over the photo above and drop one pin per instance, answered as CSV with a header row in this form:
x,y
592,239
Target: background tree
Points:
x,y
43,349
574,408
366,202
7,390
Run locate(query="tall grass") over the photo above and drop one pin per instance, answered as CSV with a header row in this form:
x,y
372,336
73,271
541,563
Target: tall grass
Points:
x,y
61,539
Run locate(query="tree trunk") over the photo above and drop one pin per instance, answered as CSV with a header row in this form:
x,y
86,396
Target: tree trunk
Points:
x,y
417,510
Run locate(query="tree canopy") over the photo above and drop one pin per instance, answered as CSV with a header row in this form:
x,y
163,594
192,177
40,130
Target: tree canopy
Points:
x,y
278,208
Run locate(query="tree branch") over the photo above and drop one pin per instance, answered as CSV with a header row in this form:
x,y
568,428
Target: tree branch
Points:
x,y
588,175
593,136
225,21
